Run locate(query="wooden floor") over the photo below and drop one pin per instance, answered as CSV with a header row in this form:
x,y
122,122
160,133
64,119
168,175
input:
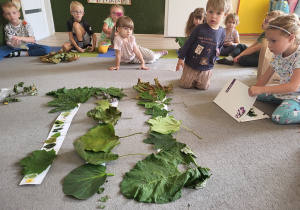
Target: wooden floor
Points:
x,y
151,41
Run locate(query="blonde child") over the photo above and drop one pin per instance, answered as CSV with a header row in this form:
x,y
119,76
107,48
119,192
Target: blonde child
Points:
x,y
195,18
80,31
248,56
126,48
232,38
116,11
283,34
17,33
198,55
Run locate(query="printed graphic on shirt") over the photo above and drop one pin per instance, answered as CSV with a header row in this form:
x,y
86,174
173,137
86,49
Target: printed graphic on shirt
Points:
x,y
203,61
199,49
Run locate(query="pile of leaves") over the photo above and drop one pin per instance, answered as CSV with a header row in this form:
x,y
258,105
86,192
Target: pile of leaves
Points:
x,y
20,89
57,57
156,179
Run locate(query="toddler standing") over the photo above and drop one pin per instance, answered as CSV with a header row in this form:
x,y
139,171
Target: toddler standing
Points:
x,y
126,48
198,55
19,32
283,34
232,38
80,31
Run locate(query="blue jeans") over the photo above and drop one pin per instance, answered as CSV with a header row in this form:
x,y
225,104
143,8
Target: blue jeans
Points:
x,y
288,111
38,50
246,60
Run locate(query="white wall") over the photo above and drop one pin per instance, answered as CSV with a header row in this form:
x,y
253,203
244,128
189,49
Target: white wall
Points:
x,y
176,16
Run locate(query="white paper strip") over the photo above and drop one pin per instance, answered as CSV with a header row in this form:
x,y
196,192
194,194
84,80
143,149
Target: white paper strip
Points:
x,y
61,125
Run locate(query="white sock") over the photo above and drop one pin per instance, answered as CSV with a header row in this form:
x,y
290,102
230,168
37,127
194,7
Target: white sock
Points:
x,y
230,58
23,53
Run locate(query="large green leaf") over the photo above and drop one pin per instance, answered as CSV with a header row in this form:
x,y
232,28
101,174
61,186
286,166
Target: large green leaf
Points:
x,y
109,116
37,162
95,158
161,141
157,179
164,125
101,138
84,181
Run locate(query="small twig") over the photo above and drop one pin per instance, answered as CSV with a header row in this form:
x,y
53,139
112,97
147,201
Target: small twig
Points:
x,y
133,154
192,132
131,135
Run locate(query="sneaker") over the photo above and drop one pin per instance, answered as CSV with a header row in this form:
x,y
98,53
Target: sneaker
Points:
x,y
225,62
74,50
162,53
13,54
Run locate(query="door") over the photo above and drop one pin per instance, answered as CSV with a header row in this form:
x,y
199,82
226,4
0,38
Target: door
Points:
x,y
34,12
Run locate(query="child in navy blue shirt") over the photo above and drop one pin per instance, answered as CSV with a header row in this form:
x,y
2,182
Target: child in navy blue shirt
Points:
x,y
200,51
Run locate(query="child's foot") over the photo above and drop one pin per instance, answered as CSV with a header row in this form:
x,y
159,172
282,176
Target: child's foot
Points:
x,y
13,54
162,53
225,61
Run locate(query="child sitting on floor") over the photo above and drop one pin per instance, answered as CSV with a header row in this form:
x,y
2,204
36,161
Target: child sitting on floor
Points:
x,y
200,51
126,48
248,56
80,31
232,38
116,11
19,35
283,34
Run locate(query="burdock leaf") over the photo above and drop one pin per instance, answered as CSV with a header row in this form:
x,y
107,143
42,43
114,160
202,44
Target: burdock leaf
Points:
x,y
84,181
157,179
37,162
164,125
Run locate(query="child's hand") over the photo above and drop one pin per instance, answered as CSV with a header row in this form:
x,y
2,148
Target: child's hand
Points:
x,y
228,43
179,63
254,90
114,68
79,49
236,59
90,49
144,67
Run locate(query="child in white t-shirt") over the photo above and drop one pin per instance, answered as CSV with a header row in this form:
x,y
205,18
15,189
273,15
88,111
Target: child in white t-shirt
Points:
x,y
126,48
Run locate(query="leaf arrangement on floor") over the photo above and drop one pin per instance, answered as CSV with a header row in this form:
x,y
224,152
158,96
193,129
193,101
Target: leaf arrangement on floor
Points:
x,y
156,179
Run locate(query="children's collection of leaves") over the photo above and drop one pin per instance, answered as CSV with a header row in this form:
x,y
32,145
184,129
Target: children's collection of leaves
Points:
x,y
57,57
156,179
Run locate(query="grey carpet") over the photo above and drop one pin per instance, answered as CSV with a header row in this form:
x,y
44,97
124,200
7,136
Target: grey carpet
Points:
x,y
254,165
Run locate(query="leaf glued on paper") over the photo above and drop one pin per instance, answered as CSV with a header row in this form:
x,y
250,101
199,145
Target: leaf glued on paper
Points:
x,y
39,161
